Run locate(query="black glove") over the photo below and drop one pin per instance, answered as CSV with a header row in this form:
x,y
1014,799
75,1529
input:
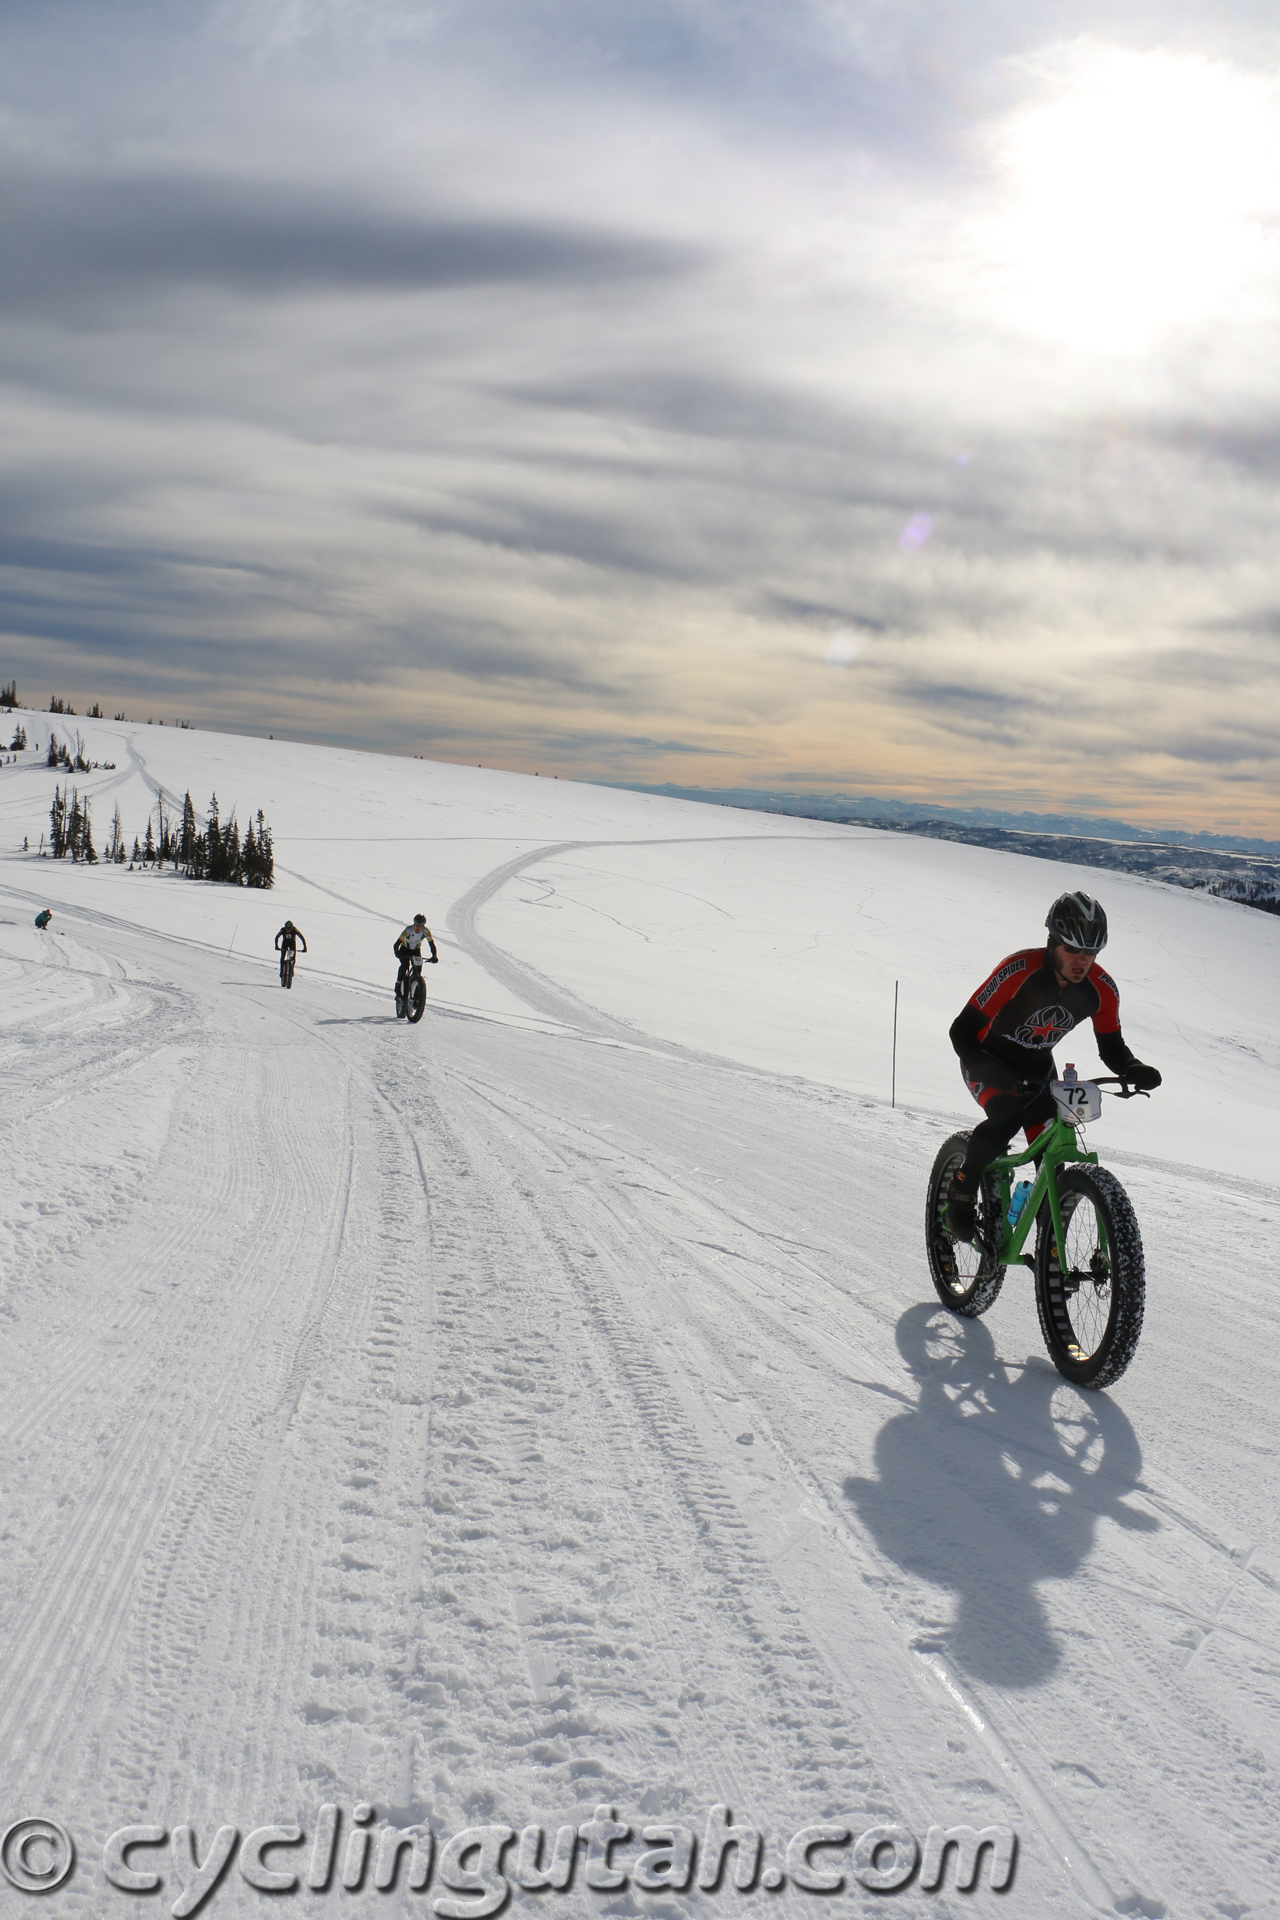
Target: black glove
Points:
x,y
435,959
1144,1078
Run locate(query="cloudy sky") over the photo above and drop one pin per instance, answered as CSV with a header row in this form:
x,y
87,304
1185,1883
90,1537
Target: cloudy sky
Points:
x,y
879,395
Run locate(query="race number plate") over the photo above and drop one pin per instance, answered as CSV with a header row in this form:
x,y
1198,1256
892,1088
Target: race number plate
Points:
x,y
1080,1102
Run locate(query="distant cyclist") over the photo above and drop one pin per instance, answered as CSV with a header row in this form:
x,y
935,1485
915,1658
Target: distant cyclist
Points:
x,y
408,945
287,946
1005,1036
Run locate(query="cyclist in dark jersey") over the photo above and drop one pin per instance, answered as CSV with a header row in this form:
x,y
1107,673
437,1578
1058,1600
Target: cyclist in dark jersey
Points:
x,y
287,943
1005,1036
287,939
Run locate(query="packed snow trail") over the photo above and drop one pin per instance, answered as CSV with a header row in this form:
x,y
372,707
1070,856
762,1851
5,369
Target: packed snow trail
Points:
x,y
516,1414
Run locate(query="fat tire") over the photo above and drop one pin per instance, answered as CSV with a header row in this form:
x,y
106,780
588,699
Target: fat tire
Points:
x,y
965,1275
417,1000
1115,1335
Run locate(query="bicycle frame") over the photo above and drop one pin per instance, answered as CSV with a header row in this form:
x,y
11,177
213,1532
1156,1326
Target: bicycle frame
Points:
x,y
1058,1144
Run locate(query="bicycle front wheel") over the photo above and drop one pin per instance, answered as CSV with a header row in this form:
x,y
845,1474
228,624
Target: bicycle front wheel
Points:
x,y
417,999
1090,1295
965,1273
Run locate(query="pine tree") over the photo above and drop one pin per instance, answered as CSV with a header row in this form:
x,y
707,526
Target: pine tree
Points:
x,y
80,831
55,751
115,846
58,823
149,845
266,854
187,847
9,695
213,836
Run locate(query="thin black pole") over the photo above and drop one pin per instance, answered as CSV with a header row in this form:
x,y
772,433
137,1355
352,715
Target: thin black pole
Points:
x,y
893,1088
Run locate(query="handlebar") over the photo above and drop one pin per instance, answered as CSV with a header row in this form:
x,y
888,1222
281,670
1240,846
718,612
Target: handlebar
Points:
x,y
1127,1092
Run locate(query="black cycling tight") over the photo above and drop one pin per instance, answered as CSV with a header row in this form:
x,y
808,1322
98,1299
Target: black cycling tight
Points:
x,y
1008,1103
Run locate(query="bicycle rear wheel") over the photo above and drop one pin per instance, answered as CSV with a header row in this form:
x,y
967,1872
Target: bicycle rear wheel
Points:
x,y
965,1273
1091,1297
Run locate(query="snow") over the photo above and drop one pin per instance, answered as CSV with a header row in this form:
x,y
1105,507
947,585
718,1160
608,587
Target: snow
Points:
x,y
547,1407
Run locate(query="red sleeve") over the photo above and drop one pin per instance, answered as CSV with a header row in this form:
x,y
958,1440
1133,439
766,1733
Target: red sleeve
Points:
x,y
1003,983
1107,1018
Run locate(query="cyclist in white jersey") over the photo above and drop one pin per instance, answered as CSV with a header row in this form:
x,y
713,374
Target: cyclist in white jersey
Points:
x,y
409,943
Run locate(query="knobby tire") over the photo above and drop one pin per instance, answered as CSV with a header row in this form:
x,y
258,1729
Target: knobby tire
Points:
x,y
1091,1304
965,1274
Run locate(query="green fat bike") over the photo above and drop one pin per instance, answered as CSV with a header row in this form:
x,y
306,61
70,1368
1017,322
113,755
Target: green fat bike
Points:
x,y
1088,1263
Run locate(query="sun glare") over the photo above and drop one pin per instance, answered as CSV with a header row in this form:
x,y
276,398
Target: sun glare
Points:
x,y
1145,193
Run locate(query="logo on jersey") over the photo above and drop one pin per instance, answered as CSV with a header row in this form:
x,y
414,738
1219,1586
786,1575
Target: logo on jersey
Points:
x,y
1045,1027
997,980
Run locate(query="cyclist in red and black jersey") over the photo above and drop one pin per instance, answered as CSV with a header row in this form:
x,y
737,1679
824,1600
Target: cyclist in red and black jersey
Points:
x,y
1005,1036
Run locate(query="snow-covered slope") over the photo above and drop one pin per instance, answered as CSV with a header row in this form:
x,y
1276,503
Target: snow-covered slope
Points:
x,y
544,1408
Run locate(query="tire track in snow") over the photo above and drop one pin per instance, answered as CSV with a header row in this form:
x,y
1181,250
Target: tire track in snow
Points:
x,y
252,1635
150,1483
713,1612
120,1244
309,1701
549,999
176,1589
89,1586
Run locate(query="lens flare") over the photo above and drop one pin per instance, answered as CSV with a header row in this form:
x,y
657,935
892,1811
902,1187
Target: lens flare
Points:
x,y
916,533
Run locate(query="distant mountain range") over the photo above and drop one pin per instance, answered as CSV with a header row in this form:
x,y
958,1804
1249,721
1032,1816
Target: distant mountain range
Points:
x,y
1233,867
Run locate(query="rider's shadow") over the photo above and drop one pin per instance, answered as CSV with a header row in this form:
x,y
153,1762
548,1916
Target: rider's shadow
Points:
x,y
990,1485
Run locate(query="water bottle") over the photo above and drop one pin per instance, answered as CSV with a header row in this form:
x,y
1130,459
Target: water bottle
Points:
x,y
1018,1198
1069,1077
